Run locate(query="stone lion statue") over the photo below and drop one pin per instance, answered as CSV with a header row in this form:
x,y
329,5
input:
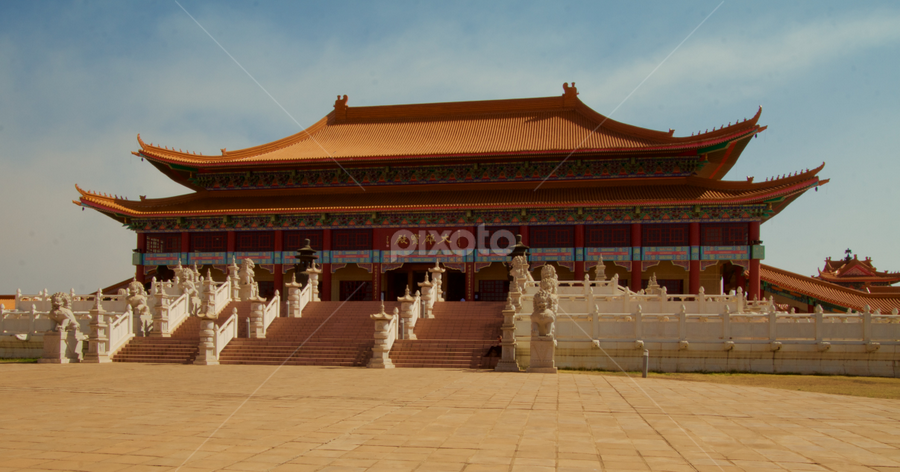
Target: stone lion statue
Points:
x,y
544,315
61,312
549,280
246,272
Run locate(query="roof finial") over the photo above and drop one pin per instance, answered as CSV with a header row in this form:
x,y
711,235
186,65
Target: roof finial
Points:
x,y
340,107
570,94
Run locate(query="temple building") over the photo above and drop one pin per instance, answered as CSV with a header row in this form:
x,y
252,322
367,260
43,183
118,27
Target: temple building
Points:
x,y
382,192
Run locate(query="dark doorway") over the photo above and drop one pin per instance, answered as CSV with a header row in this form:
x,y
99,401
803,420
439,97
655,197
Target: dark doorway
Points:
x,y
355,290
266,289
456,286
492,290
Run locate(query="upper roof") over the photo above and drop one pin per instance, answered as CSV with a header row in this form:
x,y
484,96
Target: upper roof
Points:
x,y
559,125
591,194
829,292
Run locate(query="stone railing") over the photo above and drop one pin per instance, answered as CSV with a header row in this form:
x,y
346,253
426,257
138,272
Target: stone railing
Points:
x,y
81,304
121,330
681,329
225,333
297,297
387,327
223,295
272,311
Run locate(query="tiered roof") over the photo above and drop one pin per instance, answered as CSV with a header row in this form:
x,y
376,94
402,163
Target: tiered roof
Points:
x,y
535,130
829,292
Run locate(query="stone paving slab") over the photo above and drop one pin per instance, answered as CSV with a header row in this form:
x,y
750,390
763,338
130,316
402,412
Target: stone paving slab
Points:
x,y
146,417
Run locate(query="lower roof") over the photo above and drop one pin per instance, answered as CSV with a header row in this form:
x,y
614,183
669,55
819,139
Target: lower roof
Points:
x,y
588,194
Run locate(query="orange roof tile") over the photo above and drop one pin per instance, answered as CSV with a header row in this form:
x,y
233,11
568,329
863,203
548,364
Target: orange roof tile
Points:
x,y
551,125
828,292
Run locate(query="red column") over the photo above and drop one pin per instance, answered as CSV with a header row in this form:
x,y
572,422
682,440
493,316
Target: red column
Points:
x,y
325,290
636,271
185,244
229,244
695,264
470,281
754,293
376,281
523,230
279,268
141,248
579,244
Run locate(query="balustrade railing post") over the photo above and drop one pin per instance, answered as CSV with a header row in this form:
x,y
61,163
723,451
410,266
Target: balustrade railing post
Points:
x,y
98,341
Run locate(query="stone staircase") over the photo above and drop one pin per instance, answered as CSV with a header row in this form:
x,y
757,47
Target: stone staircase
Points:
x,y
328,334
457,337
183,346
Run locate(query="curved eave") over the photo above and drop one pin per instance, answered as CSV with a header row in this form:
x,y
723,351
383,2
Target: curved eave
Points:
x,y
780,195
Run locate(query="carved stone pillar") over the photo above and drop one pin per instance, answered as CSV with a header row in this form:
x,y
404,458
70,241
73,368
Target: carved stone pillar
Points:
x,y
161,314
508,343
313,272
234,279
437,280
428,294
257,306
207,354
293,298
98,341
381,350
406,312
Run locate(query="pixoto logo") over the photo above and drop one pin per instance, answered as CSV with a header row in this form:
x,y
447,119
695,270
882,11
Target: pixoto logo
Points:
x,y
457,242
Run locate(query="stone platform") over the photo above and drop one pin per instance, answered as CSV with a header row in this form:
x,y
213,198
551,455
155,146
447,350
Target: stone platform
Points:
x,y
154,417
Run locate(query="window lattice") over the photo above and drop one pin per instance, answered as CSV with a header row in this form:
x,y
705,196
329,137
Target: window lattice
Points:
x,y
294,240
724,234
253,241
552,236
665,235
209,242
351,239
607,235
159,243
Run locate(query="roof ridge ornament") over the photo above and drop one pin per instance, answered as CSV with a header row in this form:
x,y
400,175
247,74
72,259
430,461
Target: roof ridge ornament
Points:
x,y
340,107
570,95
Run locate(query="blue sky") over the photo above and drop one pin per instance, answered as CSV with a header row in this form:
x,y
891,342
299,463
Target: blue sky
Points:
x,y
79,80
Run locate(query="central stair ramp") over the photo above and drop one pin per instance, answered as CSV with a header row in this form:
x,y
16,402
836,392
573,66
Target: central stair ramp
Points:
x,y
184,344
326,334
458,336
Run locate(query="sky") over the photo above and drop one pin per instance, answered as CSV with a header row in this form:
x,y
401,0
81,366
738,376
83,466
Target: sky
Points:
x,y
80,80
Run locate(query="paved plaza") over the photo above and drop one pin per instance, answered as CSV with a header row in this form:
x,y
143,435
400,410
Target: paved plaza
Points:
x,y
141,417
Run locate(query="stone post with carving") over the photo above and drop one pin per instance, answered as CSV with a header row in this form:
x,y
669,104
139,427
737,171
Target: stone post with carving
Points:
x,y
381,350
427,290
543,319
293,297
406,312
257,307
437,280
161,314
508,342
234,279
207,354
313,272
98,340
